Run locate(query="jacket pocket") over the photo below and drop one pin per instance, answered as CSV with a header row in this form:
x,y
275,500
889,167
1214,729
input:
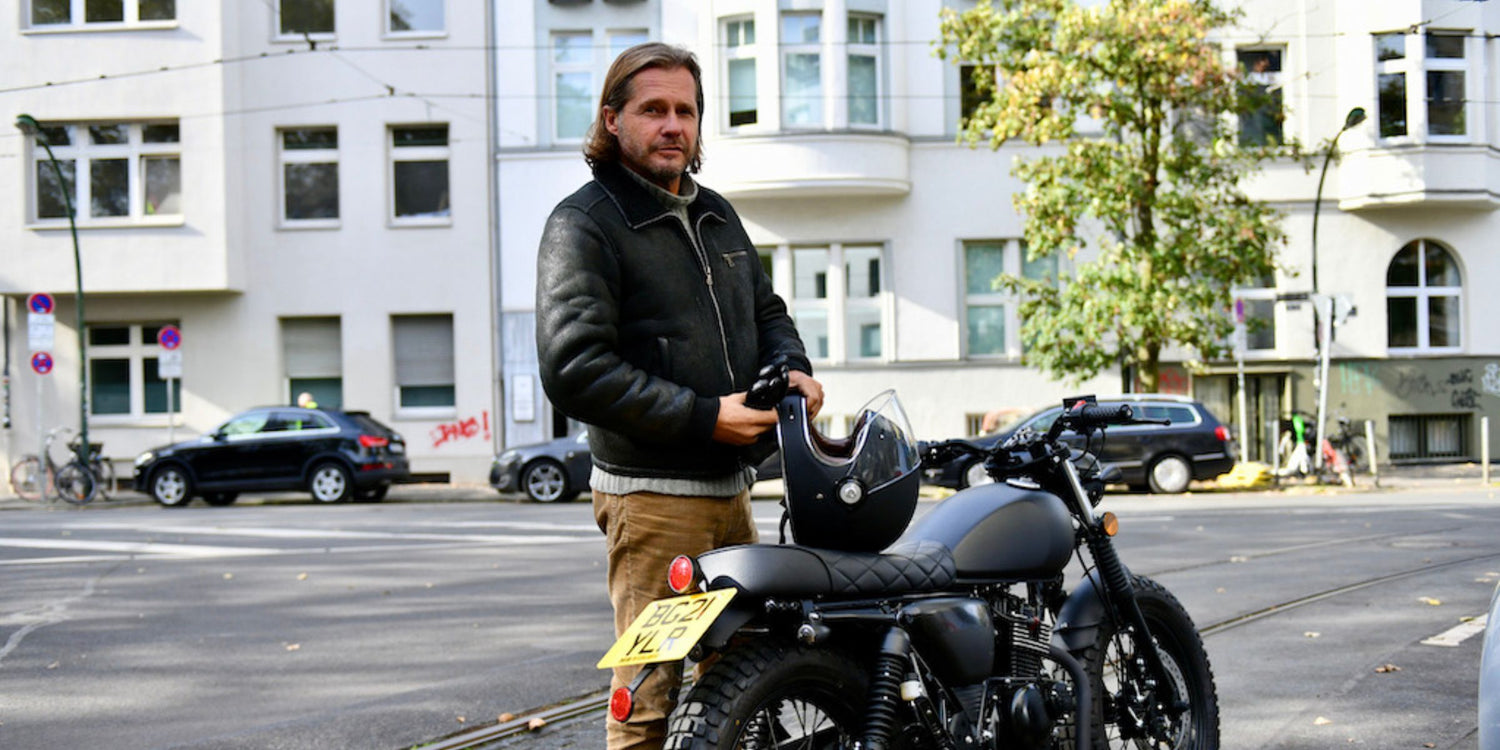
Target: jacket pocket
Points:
x,y
734,258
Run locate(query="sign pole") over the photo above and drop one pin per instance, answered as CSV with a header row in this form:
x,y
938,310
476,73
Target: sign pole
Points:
x,y
171,415
41,444
169,368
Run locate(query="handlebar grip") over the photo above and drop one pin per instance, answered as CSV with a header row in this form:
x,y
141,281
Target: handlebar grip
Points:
x,y
1121,414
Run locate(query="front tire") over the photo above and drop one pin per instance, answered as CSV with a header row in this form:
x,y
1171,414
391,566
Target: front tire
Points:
x,y
773,695
1186,663
171,487
1170,475
330,483
76,484
547,482
27,479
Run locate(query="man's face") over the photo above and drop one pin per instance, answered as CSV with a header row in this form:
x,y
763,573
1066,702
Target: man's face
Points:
x,y
658,126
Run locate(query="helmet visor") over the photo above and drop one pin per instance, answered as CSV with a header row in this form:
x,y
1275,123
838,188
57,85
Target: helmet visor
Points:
x,y
884,447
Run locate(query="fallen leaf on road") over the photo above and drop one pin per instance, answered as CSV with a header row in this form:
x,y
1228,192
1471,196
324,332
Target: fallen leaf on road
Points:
x,y
1428,744
294,647
507,717
1386,668
462,720
1431,601
54,665
1321,722
1311,634
536,723
228,576
301,576
1467,618
1239,559
1220,590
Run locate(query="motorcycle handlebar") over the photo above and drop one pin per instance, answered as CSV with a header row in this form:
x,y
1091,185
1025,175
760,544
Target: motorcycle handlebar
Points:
x,y
1102,415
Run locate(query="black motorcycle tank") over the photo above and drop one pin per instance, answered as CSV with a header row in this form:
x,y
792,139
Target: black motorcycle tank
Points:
x,y
997,531
955,635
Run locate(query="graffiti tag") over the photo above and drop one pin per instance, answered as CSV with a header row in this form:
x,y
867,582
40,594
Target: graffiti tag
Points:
x,y
463,429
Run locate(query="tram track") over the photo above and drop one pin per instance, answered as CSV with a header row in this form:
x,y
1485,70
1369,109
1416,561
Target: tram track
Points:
x,y
485,738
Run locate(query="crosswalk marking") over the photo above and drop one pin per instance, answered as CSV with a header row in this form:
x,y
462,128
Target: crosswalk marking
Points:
x,y
134,548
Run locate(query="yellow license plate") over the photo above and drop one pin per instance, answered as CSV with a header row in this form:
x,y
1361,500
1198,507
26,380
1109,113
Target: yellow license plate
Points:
x,y
667,629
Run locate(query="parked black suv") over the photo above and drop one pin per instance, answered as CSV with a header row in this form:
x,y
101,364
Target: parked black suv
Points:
x,y
333,454
1155,457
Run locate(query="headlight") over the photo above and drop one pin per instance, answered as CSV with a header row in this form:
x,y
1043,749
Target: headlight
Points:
x,y
144,458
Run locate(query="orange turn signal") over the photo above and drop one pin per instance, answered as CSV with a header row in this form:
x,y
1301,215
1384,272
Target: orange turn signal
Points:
x,y
1110,524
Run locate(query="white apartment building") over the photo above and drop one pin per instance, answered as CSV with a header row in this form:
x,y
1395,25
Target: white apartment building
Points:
x,y
301,186
831,126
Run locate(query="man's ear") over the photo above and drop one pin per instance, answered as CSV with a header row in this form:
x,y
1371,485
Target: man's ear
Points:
x,y
610,118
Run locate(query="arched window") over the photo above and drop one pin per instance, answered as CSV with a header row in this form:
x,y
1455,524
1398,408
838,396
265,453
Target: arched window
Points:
x,y
1423,289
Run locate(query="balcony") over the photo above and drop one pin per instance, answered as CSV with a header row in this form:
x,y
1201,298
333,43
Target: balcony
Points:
x,y
798,165
1465,176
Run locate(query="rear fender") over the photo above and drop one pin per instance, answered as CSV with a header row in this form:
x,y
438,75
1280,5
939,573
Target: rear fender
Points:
x,y
735,616
1082,613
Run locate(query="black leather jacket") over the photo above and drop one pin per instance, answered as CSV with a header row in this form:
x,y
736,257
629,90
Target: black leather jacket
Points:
x,y
639,330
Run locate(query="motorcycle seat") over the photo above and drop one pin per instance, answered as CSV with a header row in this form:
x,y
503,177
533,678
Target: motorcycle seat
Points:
x,y
798,571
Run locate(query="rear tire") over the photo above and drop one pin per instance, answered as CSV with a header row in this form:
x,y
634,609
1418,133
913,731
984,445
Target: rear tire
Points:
x,y
76,485
171,487
773,695
546,481
1182,653
1170,475
27,479
330,483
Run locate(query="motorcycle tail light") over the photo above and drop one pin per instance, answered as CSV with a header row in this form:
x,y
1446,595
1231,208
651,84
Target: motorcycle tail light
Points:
x,y
1222,433
371,441
621,703
682,574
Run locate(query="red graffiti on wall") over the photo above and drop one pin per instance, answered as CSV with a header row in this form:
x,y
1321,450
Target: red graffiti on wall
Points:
x,y
463,429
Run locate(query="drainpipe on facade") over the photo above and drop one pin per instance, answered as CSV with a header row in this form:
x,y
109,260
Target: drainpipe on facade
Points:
x,y
492,187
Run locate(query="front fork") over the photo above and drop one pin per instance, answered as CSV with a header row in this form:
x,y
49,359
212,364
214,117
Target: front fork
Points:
x,y
1158,686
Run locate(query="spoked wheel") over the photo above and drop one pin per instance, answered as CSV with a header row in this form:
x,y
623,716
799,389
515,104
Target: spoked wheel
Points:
x,y
27,479
330,483
75,484
1125,716
171,487
767,695
547,482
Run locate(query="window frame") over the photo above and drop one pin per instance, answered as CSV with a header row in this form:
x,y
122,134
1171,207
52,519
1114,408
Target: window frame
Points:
x,y
423,412
78,15
814,49
83,153
735,49
286,156
1274,85
1414,66
1423,294
397,154
873,50
1013,262
137,350
389,33
834,304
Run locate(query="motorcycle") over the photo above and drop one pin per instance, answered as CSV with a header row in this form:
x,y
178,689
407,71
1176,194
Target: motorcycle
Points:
x,y
961,634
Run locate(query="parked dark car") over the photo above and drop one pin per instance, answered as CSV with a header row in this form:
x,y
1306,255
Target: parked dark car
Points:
x,y
1155,457
333,454
557,470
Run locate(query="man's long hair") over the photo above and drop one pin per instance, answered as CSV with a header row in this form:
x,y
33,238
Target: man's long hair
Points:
x,y
602,146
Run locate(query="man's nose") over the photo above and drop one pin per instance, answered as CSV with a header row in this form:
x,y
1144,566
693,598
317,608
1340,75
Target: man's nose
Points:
x,y
673,124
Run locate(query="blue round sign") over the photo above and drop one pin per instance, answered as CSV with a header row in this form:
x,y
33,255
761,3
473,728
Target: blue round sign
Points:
x,y
41,362
40,303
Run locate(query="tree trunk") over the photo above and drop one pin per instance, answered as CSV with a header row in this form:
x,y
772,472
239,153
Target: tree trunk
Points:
x,y
1148,367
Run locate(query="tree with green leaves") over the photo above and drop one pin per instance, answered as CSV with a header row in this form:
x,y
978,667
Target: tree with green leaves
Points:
x,y
1145,169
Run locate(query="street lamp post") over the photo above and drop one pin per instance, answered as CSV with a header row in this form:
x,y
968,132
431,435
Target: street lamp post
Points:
x,y
1323,339
29,126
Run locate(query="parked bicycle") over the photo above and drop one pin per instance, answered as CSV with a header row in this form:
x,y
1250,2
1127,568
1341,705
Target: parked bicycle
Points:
x,y
72,480
1344,452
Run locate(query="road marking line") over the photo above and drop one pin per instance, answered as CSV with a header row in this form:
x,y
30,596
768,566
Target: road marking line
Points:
x,y
134,548
270,532
1459,633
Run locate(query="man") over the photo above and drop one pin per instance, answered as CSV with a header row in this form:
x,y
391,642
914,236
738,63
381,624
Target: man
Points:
x,y
305,400
653,317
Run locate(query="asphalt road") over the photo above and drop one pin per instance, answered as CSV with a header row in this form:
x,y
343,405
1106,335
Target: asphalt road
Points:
x,y
384,626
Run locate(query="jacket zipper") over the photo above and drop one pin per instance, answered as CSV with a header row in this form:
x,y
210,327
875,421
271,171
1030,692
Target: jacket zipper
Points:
x,y
708,275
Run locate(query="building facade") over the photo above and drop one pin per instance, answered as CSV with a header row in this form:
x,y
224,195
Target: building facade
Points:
x,y
300,186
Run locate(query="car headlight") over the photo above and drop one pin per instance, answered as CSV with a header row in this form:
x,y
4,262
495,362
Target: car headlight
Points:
x,y
144,458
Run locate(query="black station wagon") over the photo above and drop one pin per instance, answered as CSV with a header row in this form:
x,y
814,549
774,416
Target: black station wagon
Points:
x,y
1161,458
335,455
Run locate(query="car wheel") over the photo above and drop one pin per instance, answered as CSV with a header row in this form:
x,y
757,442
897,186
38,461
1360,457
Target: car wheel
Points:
x,y
330,483
1170,475
974,474
547,482
220,499
374,494
171,487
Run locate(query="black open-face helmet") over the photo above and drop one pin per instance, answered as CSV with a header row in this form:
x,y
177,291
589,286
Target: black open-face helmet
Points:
x,y
855,494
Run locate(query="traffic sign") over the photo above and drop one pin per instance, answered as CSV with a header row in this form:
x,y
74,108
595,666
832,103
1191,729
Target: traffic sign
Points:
x,y
41,362
40,303
169,337
39,331
169,364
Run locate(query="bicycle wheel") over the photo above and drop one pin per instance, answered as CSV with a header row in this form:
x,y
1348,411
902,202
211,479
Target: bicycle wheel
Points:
x,y
27,479
1359,456
104,472
75,484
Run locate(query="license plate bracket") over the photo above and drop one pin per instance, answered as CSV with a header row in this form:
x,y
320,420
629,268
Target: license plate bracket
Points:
x,y
667,629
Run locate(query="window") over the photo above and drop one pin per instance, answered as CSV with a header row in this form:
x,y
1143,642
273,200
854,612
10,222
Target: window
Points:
x,y
309,17
51,13
575,70
862,305
801,70
1419,436
1259,302
1423,289
1260,125
991,326
134,171
739,75
419,173
309,174
864,70
313,356
969,97
424,362
838,300
415,17
1436,83
123,377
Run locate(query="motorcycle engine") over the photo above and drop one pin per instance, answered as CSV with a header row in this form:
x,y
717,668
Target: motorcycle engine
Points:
x,y
1023,704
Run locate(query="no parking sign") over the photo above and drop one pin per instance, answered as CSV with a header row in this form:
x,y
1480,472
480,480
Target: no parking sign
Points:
x,y
41,362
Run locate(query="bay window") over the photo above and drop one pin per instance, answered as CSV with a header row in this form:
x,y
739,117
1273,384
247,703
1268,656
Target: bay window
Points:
x,y
112,172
